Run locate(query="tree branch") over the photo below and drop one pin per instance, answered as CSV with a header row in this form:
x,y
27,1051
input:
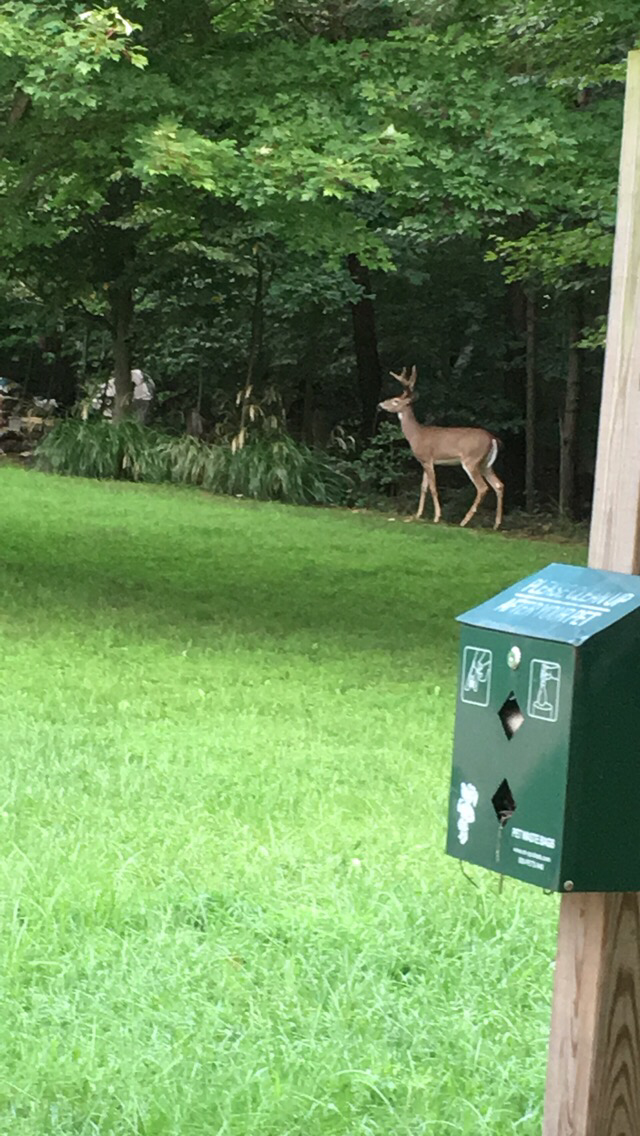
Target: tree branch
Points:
x,y
103,321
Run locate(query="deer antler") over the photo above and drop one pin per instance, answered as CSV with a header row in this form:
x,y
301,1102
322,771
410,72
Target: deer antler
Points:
x,y
408,381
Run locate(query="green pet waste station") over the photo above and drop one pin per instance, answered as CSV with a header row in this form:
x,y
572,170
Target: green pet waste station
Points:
x,y
546,764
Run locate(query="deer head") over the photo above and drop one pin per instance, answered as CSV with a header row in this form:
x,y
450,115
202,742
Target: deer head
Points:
x,y
402,401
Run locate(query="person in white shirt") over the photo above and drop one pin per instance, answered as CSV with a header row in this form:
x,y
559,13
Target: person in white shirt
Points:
x,y
143,392
141,397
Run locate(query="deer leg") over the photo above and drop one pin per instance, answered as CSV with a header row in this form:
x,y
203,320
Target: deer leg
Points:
x,y
430,475
481,492
498,489
429,482
423,494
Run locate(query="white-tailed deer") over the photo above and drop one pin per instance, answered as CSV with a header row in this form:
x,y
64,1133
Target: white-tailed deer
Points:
x,y
471,447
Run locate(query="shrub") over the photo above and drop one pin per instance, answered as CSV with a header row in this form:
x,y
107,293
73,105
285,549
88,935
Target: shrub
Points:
x,y
280,469
190,461
271,468
385,468
102,450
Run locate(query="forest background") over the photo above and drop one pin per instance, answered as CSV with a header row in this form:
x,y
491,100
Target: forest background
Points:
x,y
267,205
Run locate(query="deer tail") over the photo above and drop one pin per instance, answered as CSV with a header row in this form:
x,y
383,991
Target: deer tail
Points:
x,y
496,444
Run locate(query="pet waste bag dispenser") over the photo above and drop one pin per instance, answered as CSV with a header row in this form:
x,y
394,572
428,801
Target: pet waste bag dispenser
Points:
x,y
546,763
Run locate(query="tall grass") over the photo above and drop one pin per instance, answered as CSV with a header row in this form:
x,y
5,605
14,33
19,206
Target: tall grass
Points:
x,y
104,450
224,904
274,468
279,469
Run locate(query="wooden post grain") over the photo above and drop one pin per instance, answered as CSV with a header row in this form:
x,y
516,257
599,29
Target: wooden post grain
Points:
x,y
593,1078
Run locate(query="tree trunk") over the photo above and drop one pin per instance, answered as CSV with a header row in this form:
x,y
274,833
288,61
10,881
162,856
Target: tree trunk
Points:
x,y
86,340
308,370
255,349
515,381
308,408
122,318
569,422
366,346
530,407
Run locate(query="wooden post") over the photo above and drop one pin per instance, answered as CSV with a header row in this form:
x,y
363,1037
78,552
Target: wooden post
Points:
x,y
593,1079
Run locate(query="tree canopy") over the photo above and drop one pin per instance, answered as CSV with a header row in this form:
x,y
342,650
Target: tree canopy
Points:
x,y
305,194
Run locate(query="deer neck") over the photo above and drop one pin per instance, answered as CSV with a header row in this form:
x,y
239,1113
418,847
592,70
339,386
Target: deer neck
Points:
x,y
411,428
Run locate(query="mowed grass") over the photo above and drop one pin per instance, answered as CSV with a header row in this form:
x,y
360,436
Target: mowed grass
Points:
x,y
225,905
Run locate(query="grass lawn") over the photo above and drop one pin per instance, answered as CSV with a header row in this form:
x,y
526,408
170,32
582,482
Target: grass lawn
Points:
x,y
225,904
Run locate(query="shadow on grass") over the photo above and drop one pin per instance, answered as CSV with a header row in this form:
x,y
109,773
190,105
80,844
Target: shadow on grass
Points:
x,y
157,564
